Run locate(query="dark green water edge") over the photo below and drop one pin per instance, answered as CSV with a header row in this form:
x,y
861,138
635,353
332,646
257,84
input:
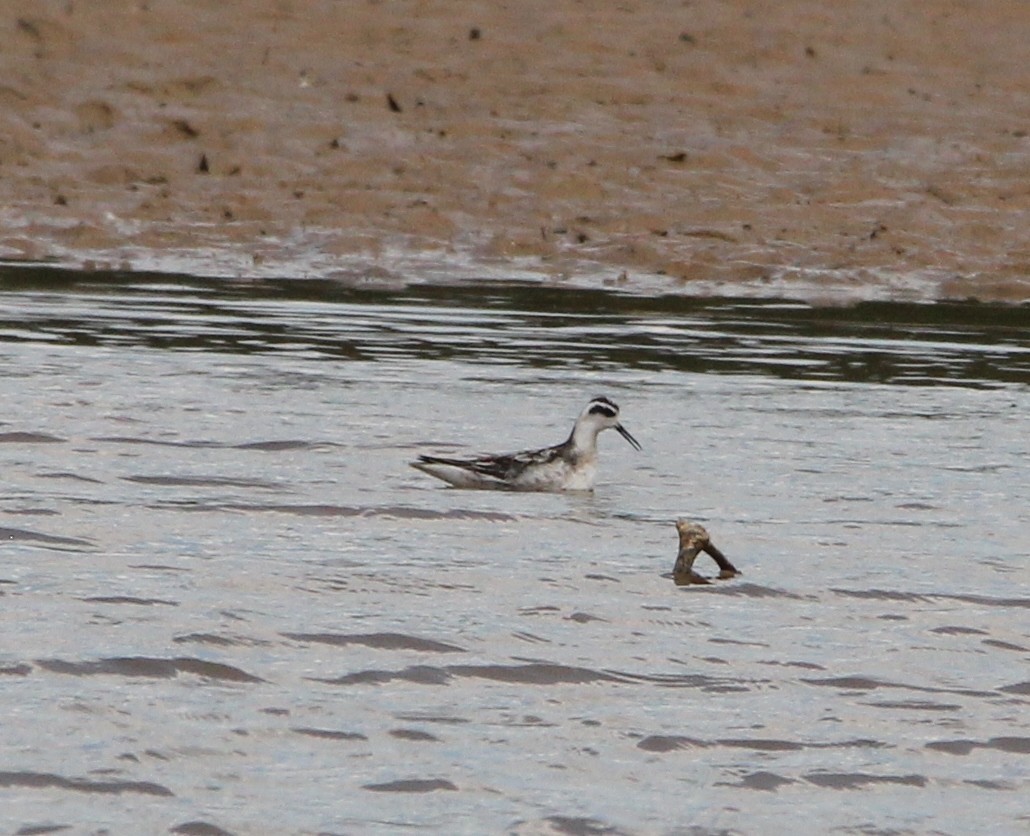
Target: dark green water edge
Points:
x,y
521,323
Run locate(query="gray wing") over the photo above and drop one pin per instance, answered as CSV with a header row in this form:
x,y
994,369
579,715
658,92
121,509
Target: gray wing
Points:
x,y
504,467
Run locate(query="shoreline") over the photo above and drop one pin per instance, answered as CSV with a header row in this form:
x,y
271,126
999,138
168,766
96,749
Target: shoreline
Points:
x,y
867,153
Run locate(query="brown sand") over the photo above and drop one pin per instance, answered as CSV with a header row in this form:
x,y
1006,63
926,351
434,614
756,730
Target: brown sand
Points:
x,y
818,149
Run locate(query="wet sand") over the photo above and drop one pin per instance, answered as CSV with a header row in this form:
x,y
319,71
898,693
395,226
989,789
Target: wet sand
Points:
x,y
875,149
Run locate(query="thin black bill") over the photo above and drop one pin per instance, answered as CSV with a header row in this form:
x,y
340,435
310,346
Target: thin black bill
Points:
x,y
626,435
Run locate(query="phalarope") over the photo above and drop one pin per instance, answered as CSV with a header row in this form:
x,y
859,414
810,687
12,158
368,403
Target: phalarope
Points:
x,y
569,466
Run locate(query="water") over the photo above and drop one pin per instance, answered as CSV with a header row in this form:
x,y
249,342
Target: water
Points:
x,y
228,605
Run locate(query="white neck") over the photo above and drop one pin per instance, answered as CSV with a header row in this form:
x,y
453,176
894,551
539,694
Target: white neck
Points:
x,y
584,437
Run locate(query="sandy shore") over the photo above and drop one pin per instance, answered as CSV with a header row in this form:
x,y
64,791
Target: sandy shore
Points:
x,y
830,151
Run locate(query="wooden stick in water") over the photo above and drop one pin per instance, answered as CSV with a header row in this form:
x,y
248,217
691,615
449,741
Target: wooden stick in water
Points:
x,y
694,539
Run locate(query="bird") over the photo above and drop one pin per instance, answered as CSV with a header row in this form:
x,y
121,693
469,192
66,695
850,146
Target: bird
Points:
x,y
569,466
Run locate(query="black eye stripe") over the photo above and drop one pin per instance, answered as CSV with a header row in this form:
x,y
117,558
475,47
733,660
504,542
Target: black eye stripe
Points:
x,y
603,409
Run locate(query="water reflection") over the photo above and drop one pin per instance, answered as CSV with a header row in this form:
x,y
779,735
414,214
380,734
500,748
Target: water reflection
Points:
x,y
517,323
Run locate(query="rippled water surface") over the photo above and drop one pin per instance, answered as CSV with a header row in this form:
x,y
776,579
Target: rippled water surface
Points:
x,y
228,604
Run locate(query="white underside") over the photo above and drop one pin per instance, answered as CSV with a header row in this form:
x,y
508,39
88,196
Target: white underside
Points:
x,y
553,477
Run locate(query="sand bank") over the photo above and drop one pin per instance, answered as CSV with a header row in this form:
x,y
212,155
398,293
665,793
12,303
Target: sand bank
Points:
x,y
834,151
